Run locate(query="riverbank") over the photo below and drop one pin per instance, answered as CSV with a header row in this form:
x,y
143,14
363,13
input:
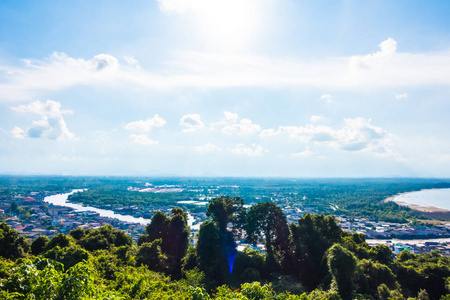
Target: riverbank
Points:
x,y
430,211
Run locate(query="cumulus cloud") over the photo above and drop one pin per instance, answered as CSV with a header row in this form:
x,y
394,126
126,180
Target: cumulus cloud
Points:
x,y
401,96
192,122
232,124
18,133
384,68
358,134
146,125
48,108
50,126
206,148
327,98
142,139
254,150
387,50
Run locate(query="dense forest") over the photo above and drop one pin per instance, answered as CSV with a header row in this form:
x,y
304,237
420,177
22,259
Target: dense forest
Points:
x,y
310,259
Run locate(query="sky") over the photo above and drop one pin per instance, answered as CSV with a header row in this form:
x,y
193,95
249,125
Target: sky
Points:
x,y
259,88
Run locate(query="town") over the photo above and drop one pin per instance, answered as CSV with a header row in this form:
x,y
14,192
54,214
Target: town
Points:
x,y
31,216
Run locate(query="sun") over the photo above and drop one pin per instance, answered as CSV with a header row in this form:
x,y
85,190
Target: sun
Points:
x,y
223,24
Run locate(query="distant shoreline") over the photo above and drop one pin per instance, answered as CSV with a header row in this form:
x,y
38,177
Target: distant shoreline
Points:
x,y
416,207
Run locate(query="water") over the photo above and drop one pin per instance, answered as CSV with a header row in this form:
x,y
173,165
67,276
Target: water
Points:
x,y
439,198
61,200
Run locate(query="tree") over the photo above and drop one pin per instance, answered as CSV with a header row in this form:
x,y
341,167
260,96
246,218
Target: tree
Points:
x,y
228,214
211,255
174,235
39,244
373,274
342,266
311,238
60,240
103,237
226,210
150,254
266,222
69,256
13,207
12,245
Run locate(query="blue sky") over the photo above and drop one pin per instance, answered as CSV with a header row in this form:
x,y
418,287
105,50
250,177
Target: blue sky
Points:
x,y
225,88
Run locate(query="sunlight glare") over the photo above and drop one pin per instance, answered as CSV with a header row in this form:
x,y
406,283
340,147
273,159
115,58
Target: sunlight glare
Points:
x,y
227,25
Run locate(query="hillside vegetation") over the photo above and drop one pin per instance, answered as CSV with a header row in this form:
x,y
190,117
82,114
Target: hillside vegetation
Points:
x,y
310,259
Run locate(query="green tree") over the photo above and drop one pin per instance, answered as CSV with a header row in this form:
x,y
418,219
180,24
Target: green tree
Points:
x,y
61,240
35,279
104,237
211,256
342,266
311,238
68,256
226,210
174,235
266,222
373,274
12,245
248,267
150,254
39,244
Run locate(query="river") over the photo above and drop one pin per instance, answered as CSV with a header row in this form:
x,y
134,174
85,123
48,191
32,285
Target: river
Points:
x,y
61,200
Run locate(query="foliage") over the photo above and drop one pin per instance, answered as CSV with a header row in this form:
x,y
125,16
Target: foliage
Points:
x,y
266,222
248,267
342,266
174,236
226,210
68,256
39,244
103,237
150,254
313,255
12,245
311,238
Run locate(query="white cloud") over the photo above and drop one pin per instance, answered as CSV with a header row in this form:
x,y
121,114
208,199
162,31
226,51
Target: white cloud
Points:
x,y
192,122
234,125
178,6
388,50
401,96
105,62
48,108
315,119
306,153
357,134
384,68
327,98
254,150
142,139
131,60
18,133
206,148
146,125
51,125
